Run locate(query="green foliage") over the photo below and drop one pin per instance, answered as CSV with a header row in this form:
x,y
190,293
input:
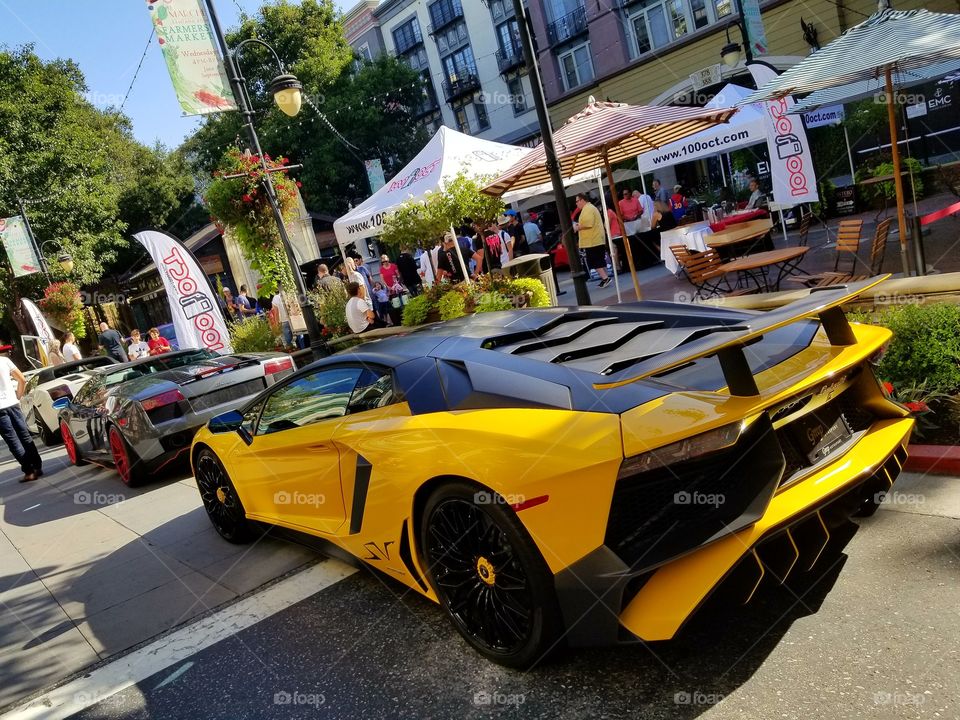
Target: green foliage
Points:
x,y
241,204
331,309
64,304
539,295
373,104
416,310
925,346
887,190
253,335
452,305
422,224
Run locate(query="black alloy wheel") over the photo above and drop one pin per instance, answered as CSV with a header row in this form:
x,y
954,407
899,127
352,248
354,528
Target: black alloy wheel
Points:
x,y
220,499
489,576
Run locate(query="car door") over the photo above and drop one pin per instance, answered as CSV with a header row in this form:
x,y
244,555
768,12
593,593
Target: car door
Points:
x,y
87,418
27,402
290,471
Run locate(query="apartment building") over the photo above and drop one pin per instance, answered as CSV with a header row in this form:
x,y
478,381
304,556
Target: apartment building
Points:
x,y
660,52
362,29
469,54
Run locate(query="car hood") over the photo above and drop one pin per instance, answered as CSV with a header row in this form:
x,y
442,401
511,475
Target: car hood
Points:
x,y
158,382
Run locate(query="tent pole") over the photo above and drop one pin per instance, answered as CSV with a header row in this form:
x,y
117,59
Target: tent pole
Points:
x,y
610,246
623,226
783,226
846,137
897,178
643,182
723,174
463,265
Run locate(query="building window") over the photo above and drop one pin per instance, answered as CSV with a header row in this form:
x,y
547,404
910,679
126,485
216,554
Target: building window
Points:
x,y
722,8
508,38
656,23
451,38
459,65
444,12
407,35
576,66
461,118
483,120
517,97
364,52
501,9
432,122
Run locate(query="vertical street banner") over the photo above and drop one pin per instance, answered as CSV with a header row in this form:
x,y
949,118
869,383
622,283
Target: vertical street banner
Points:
x,y
754,24
40,324
375,174
194,307
190,52
791,167
20,250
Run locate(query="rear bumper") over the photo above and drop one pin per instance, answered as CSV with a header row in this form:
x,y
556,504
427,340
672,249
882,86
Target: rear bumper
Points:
x,y
601,597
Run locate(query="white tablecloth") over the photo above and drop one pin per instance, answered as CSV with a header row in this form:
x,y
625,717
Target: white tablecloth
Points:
x,y
693,236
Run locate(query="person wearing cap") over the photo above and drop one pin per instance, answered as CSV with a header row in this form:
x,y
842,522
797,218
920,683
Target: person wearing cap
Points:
x,y
533,235
506,237
519,246
13,426
388,271
678,203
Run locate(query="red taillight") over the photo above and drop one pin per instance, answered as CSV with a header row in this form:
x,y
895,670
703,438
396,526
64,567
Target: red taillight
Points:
x,y
271,367
60,391
161,400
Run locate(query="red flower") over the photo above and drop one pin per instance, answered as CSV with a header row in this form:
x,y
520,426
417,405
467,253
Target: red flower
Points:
x,y
888,387
299,184
247,198
917,407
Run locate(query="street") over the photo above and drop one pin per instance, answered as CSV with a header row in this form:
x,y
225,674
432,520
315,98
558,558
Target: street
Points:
x,y
874,634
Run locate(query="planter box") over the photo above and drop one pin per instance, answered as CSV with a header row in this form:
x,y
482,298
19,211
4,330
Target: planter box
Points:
x,y
934,459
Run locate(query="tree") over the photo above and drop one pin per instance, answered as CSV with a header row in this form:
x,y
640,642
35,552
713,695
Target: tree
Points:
x,y
371,104
83,176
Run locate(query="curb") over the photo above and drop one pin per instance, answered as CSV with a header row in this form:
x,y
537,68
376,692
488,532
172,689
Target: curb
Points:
x,y
934,459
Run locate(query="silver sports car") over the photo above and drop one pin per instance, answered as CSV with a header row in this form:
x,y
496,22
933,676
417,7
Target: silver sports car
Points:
x,y
140,416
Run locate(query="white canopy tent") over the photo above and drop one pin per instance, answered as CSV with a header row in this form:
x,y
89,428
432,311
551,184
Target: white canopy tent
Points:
x,y
446,155
745,128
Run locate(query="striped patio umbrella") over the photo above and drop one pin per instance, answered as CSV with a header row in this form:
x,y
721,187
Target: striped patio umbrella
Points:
x,y
604,133
889,42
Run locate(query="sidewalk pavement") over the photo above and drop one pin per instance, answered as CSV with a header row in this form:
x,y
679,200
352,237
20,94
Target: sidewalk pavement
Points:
x,y
90,568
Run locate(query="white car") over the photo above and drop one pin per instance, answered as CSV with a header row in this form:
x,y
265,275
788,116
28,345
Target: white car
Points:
x,y
48,384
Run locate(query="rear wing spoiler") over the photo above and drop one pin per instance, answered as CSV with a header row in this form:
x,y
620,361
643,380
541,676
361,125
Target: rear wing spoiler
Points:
x,y
728,346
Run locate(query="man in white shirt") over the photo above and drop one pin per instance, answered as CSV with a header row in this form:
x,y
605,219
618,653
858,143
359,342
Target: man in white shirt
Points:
x,y
647,210
360,315
280,316
137,348
13,427
428,263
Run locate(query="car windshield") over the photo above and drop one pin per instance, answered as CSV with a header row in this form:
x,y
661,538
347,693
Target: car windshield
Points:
x,y
157,364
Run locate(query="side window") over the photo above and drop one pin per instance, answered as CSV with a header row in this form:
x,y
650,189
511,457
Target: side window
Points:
x,y
309,399
374,390
250,417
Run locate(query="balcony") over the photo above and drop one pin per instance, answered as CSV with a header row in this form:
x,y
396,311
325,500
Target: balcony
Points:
x,y
444,13
509,59
464,84
567,27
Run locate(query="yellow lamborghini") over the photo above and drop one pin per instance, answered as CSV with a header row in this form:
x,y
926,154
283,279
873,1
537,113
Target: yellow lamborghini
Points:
x,y
574,476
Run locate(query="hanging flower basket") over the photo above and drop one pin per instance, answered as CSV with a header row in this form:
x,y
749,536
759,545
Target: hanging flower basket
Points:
x,y
63,302
242,205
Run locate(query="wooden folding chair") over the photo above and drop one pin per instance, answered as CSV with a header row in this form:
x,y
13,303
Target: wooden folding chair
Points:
x,y
705,271
878,250
848,242
805,223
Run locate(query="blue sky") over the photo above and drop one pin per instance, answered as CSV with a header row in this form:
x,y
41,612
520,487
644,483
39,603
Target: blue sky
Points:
x,y
107,43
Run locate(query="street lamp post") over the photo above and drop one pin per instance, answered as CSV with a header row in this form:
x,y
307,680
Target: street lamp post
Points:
x,y
549,149
730,54
286,92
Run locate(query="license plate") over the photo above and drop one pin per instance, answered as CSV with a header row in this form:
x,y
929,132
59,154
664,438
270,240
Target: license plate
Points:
x,y
819,433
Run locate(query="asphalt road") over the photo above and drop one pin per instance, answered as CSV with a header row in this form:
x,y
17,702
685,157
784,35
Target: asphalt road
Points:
x,y
873,635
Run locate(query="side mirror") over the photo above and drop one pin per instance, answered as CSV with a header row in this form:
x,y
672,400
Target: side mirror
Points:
x,y
230,422
61,404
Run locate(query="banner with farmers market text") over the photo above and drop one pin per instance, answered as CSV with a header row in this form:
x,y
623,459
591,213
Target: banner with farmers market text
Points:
x,y
190,51
20,250
195,309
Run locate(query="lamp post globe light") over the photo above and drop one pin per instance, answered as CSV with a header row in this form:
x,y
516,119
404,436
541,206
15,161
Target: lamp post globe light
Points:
x,y
287,94
64,259
730,53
